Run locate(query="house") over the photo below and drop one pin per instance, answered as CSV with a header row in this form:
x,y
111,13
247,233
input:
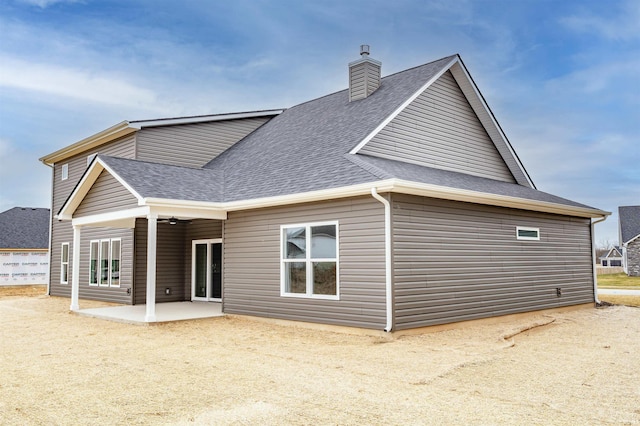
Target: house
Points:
x,y
24,246
613,258
350,209
629,226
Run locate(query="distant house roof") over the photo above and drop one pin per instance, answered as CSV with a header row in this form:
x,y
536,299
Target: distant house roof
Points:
x,y
614,252
24,228
629,217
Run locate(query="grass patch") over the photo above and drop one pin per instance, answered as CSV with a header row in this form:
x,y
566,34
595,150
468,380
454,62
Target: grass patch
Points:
x,y
618,281
620,300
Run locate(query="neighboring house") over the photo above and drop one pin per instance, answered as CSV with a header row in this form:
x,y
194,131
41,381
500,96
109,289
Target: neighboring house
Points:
x,y
396,203
24,246
613,258
629,223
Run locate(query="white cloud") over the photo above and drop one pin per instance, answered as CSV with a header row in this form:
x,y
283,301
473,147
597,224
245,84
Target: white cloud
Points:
x,y
624,26
43,4
80,84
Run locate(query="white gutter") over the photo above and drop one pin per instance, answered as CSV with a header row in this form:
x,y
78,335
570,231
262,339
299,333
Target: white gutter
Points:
x,y
593,258
387,256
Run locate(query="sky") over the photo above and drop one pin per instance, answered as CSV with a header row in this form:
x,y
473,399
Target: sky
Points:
x,y
561,76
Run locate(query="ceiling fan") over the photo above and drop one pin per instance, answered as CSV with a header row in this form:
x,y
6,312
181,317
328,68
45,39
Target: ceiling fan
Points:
x,y
175,221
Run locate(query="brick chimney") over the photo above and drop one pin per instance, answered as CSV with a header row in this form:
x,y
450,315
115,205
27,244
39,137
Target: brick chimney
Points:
x,y
364,75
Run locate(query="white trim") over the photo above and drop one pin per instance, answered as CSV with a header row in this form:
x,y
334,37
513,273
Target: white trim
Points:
x,y
152,240
387,257
308,260
109,282
406,103
118,219
208,297
631,240
527,229
139,124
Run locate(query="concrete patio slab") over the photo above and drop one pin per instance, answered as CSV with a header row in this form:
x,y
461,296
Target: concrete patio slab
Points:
x,y
165,312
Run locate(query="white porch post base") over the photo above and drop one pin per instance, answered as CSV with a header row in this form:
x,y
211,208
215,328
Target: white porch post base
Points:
x,y
152,236
75,270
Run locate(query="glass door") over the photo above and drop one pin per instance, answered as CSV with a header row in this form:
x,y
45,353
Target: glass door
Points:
x,y
206,270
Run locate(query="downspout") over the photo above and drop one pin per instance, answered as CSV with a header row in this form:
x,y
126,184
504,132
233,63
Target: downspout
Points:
x,y
387,256
593,258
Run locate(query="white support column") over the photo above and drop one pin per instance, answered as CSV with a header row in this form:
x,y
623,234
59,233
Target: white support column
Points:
x,y
152,237
75,270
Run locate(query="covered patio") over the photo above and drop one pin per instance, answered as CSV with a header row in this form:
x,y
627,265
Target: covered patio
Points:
x,y
164,312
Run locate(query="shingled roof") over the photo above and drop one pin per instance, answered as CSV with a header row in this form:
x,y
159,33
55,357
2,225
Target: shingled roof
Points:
x,y
629,217
24,228
308,149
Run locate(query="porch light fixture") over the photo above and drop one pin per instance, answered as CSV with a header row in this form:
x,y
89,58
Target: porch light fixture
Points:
x,y
173,221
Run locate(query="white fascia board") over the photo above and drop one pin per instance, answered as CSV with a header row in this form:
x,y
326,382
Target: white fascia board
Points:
x,y
388,185
112,133
184,210
455,194
86,182
406,103
461,71
117,219
202,118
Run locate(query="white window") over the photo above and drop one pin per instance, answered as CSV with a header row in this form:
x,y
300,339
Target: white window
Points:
x,y
525,233
104,263
309,266
64,264
65,172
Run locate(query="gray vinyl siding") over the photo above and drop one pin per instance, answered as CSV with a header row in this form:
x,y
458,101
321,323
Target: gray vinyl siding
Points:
x,y
106,195
364,79
63,231
169,262
459,261
485,116
440,129
192,145
252,263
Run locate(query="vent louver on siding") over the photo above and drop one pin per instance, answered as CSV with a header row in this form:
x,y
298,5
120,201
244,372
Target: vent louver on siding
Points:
x,y
364,76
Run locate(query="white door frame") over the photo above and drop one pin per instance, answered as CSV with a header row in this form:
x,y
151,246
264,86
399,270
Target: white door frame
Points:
x,y
208,242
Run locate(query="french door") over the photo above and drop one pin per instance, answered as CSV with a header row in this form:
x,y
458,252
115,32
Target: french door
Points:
x,y
206,270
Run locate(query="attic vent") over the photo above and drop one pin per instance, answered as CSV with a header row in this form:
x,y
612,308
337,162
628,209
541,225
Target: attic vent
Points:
x,y
364,75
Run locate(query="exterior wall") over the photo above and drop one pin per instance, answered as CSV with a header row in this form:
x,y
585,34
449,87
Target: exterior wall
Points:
x,y
106,195
458,261
440,129
24,267
252,263
633,258
63,231
193,145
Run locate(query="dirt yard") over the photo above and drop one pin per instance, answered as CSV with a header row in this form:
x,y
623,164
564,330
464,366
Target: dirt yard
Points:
x,y
580,367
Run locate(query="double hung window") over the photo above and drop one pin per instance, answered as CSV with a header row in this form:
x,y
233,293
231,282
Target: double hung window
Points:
x,y
309,266
104,263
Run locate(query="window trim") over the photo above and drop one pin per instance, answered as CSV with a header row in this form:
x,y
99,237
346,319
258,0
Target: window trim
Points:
x,y
64,265
64,171
98,257
308,260
526,238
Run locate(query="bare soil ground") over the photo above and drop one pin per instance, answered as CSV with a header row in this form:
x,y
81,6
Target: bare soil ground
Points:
x,y
579,367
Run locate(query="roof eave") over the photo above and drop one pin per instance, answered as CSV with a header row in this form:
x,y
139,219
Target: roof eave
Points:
x,y
112,133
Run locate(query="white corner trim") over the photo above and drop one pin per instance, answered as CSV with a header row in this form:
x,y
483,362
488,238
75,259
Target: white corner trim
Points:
x,y
406,103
